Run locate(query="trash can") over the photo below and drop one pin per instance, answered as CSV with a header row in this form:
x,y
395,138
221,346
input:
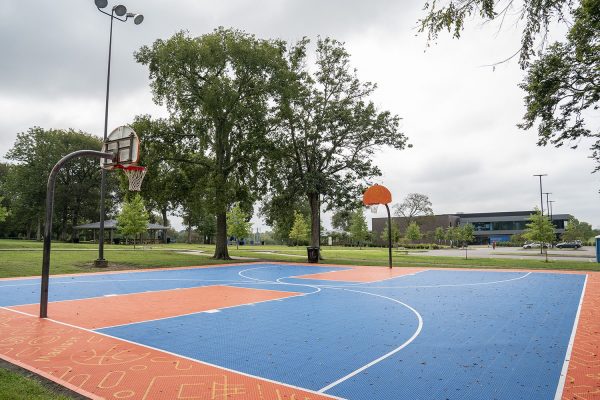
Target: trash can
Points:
x,y
313,254
598,248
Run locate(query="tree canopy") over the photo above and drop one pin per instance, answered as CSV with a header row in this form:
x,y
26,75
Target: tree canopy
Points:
x,y
328,129
359,231
562,85
413,232
34,154
133,218
238,224
413,205
299,231
217,86
576,230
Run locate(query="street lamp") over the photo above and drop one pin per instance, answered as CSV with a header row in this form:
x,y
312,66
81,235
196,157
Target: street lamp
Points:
x,y
547,202
541,206
116,12
541,197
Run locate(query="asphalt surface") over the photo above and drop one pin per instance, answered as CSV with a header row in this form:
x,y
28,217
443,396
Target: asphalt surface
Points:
x,y
584,254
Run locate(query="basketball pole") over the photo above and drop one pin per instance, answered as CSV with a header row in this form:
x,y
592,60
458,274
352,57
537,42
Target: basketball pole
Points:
x,y
389,235
49,214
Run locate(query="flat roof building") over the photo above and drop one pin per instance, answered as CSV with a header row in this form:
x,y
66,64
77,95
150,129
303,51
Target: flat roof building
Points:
x,y
489,226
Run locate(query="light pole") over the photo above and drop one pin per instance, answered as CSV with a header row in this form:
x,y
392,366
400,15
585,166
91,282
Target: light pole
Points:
x,y
116,12
541,206
541,197
552,215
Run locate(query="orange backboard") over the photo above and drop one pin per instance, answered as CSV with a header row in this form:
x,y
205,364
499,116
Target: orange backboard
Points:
x,y
377,194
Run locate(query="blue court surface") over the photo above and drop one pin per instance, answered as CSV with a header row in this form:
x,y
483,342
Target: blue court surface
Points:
x,y
433,334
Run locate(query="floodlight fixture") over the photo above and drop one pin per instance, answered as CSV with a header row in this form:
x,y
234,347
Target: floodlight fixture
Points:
x,y
120,10
101,3
137,18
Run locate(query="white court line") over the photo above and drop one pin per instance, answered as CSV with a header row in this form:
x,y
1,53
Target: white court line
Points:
x,y
205,311
277,282
352,284
563,372
181,356
383,357
224,283
436,286
74,281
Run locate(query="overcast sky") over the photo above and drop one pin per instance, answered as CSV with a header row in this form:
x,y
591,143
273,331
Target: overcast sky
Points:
x,y
461,116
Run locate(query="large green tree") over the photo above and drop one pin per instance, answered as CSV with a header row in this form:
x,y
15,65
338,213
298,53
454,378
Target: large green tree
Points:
x,y
562,84
328,131
217,85
133,218
576,230
277,210
413,232
238,224
77,195
414,205
359,231
3,211
539,230
299,231
163,174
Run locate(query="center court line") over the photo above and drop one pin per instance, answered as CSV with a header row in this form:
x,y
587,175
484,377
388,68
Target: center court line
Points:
x,y
383,357
179,355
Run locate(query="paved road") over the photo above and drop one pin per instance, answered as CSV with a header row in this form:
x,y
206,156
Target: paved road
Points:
x,y
585,254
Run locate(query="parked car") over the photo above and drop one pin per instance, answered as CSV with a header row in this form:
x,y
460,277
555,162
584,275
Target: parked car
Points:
x,y
569,245
533,245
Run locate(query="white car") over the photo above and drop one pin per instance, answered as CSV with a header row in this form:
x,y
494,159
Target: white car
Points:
x,y
533,245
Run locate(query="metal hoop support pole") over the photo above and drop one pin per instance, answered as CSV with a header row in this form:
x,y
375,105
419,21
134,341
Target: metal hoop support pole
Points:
x,y
48,225
389,235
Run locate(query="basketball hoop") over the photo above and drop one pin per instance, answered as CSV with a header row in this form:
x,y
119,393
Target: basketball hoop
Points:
x,y
374,208
135,174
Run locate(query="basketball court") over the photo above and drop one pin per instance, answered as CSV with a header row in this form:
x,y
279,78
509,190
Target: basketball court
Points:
x,y
294,331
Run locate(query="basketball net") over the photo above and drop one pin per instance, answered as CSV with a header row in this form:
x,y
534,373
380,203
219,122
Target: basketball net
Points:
x,y
135,174
374,208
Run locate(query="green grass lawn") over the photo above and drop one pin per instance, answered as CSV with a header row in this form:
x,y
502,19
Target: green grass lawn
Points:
x,y
24,258
16,386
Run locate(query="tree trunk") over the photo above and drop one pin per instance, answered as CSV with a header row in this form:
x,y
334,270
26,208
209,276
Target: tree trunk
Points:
x,y
315,221
221,252
75,235
165,223
189,235
64,219
38,233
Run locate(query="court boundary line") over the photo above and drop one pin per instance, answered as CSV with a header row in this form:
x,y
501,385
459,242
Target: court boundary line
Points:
x,y
563,373
170,353
387,355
